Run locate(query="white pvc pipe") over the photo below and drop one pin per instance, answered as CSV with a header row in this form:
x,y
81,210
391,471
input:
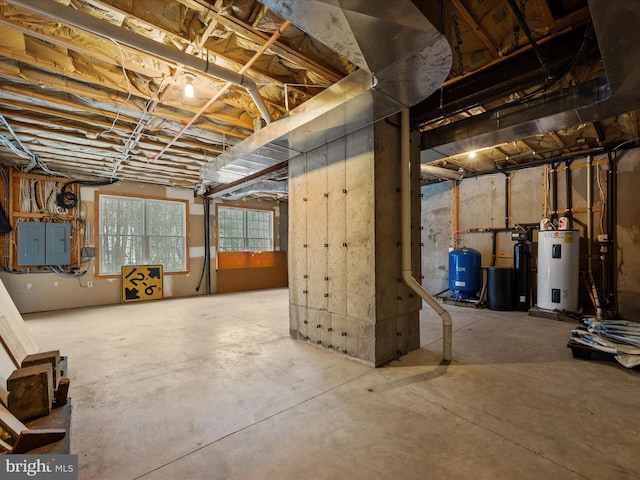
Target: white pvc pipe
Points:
x,y
441,172
594,290
407,275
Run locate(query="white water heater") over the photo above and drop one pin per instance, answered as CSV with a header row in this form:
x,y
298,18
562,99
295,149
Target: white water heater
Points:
x,y
558,269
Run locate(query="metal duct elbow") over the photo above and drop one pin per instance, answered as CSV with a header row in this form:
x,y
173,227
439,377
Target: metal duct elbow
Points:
x,y
252,89
396,70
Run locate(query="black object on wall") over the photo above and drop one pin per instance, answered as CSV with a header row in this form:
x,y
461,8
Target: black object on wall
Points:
x,y
5,226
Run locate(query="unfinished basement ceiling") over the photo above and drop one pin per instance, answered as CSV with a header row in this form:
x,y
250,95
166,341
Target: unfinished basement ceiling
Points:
x,y
95,89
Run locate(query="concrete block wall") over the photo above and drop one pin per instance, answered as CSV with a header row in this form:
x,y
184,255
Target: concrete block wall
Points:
x,y
345,263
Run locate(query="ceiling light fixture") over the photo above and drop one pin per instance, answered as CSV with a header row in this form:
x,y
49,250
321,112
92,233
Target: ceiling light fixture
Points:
x,y
472,154
188,88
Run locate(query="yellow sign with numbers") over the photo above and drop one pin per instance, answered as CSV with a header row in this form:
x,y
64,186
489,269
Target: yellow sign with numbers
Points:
x,y
141,282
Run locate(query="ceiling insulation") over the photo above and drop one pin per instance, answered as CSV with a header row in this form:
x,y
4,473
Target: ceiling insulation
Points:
x,y
87,105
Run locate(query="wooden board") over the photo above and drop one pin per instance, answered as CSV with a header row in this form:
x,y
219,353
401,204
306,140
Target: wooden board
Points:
x,y
16,343
11,343
26,439
241,271
17,325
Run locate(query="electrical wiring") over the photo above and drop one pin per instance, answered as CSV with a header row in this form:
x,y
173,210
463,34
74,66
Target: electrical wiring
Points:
x,y
6,141
37,195
129,92
23,151
58,270
559,75
620,145
550,82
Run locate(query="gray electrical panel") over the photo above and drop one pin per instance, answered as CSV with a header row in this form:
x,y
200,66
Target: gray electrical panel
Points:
x,y
30,243
43,243
57,244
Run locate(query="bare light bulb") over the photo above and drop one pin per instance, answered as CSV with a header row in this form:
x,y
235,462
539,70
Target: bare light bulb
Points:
x,y
188,89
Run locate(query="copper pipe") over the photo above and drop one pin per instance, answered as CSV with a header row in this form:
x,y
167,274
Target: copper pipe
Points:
x,y
455,213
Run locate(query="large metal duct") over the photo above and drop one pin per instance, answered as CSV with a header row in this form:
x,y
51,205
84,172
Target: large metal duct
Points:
x,y
401,60
616,26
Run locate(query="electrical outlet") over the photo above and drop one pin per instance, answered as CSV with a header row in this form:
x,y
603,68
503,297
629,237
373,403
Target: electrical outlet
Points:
x,y
89,284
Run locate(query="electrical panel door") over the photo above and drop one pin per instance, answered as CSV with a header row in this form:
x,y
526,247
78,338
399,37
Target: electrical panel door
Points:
x,y
30,243
58,240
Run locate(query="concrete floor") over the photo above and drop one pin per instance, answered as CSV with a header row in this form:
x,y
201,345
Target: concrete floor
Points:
x,y
214,388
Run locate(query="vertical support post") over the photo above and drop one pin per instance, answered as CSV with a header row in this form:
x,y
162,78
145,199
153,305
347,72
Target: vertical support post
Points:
x,y
207,246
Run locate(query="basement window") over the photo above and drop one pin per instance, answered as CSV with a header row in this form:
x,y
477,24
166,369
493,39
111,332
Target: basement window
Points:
x,y
244,229
141,231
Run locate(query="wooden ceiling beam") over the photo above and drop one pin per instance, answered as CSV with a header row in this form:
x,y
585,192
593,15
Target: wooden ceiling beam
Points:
x,y
119,60
259,38
556,138
533,150
97,95
477,28
79,42
184,147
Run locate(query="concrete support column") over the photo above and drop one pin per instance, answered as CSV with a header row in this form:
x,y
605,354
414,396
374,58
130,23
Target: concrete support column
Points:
x,y
345,262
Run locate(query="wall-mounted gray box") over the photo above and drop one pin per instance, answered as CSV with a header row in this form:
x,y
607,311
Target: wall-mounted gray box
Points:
x,y
30,243
43,243
57,244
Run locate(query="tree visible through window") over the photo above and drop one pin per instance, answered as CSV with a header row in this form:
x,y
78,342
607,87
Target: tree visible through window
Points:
x,y
244,229
139,231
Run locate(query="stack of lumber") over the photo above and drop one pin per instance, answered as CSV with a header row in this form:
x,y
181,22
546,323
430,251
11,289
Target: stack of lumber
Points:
x,y
31,382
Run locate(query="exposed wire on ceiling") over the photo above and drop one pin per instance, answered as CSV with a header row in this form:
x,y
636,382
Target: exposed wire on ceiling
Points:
x,y
620,145
121,106
23,151
276,35
143,123
549,82
564,70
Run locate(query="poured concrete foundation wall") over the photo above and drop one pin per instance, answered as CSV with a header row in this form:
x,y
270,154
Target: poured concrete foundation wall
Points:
x,y
345,271
628,235
482,206
436,235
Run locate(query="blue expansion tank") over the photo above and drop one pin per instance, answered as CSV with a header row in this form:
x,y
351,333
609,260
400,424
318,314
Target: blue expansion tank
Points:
x,y
465,275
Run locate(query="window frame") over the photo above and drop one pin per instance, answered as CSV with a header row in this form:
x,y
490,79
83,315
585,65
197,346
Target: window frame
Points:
x,y
245,210
144,199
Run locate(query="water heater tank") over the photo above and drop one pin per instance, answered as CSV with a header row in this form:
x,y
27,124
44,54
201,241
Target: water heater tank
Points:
x,y
558,269
465,276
